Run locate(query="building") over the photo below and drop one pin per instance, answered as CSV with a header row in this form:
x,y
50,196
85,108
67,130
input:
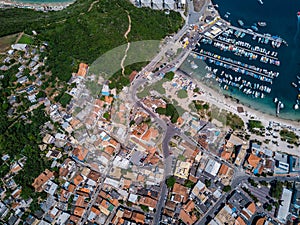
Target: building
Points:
x,y
283,211
212,167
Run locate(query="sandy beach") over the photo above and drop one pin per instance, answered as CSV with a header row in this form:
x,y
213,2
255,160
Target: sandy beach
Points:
x,y
46,6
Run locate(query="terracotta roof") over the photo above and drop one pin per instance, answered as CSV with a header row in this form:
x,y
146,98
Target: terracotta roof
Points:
x,y
127,214
239,221
253,160
189,206
80,153
140,178
168,212
109,150
75,219
42,179
82,70
186,218
80,201
78,179
132,75
148,202
251,207
95,210
261,221
180,190
223,170
138,217
126,183
93,175
225,155
78,211
71,188
108,99
170,205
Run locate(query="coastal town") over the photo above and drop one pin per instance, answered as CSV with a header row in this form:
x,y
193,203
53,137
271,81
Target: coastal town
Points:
x,y
165,149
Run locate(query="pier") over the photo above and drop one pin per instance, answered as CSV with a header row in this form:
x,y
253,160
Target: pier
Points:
x,y
235,65
256,34
248,50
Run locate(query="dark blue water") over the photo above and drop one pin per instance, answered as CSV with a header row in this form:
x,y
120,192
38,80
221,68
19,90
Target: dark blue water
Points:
x,y
281,18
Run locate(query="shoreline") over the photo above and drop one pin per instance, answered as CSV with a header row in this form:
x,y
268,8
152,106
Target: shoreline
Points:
x,y
45,6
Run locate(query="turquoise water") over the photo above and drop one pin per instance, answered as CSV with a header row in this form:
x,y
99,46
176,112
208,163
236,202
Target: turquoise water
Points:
x,y
281,18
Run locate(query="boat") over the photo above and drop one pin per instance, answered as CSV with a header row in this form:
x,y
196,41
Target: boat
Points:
x,y
298,14
262,24
254,27
241,23
296,106
260,2
295,85
275,100
298,77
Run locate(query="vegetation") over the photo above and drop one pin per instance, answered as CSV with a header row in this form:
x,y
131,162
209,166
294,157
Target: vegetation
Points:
x,y
7,41
252,124
65,99
276,189
26,39
169,111
207,182
188,183
106,115
182,94
94,32
144,208
170,181
169,75
289,136
181,157
227,188
234,121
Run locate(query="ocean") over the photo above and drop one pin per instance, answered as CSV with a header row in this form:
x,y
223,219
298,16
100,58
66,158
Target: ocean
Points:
x,y
281,19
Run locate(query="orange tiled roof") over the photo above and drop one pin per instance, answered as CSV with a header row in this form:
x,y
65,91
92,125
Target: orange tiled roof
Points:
x,y
225,155
261,221
251,207
82,70
148,202
95,210
75,219
42,179
80,153
108,99
189,206
239,221
71,188
253,160
78,179
80,201
180,190
79,211
138,217
109,150
186,218
223,170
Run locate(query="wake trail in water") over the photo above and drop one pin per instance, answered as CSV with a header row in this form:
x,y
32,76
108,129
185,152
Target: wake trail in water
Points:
x,y
297,33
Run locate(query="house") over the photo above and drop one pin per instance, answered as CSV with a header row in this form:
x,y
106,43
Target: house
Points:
x,y
82,70
284,207
42,179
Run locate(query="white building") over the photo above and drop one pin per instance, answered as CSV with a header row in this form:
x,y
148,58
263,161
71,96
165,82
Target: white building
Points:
x,y
170,4
212,167
285,205
146,3
157,4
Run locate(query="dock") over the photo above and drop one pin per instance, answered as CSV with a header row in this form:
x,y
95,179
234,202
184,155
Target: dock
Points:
x,y
248,50
257,34
235,65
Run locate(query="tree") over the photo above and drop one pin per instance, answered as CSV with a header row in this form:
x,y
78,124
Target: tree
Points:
x,y
170,181
227,188
161,111
207,182
169,75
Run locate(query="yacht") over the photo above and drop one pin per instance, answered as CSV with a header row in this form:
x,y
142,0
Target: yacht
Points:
x,y
260,2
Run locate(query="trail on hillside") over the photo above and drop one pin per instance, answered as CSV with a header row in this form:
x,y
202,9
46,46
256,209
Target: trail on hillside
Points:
x,y
128,43
92,4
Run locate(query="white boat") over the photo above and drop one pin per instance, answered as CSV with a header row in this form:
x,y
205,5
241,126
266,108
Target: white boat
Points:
x,y
260,2
296,106
275,100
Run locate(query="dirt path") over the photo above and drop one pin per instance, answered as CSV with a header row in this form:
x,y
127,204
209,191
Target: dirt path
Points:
x,y
19,37
128,43
92,4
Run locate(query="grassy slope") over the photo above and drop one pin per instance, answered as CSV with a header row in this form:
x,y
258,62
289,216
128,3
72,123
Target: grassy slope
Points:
x,y
76,35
